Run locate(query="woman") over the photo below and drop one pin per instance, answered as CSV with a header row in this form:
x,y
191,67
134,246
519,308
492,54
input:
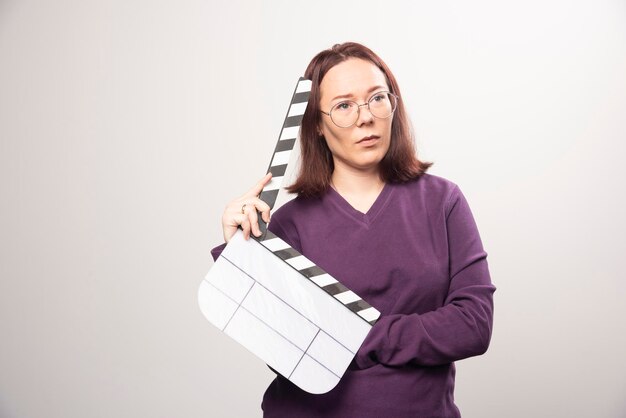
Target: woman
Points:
x,y
404,240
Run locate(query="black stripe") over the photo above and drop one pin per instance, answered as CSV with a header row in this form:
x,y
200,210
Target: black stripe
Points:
x,y
285,145
265,233
278,170
263,228
312,272
293,121
358,306
269,235
333,289
269,197
287,253
301,97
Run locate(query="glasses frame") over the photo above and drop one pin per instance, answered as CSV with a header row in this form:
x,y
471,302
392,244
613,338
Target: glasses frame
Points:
x,y
358,109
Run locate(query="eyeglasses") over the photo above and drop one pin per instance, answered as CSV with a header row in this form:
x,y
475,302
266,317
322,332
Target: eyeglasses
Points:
x,y
346,113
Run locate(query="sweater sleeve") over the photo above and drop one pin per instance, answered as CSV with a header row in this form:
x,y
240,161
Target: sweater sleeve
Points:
x,y
462,327
215,252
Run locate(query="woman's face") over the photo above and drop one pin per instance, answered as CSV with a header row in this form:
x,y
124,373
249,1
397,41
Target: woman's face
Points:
x,y
363,145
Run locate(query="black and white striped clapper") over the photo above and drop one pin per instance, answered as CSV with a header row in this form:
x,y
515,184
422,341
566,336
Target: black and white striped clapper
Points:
x,y
278,304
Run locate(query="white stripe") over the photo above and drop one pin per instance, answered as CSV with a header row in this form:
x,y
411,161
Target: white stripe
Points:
x,y
289,133
274,184
297,109
300,262
369,314
304,85
347,297
323,280
281,158
275,244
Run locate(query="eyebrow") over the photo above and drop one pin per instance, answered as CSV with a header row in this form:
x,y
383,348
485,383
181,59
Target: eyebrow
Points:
x,y
347,96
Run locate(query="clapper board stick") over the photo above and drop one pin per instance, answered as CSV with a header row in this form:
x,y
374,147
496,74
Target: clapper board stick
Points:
x,y
278,304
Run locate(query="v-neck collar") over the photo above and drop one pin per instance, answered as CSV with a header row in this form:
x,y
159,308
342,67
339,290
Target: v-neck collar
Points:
x,y
371,214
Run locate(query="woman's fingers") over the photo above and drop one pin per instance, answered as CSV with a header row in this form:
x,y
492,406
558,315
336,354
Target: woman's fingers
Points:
x,y
258,188
264,208
251,205
245,226
251,210
243,212
230,223
253,219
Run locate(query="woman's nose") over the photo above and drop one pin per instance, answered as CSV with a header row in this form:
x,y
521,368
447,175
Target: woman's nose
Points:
x,y
365,116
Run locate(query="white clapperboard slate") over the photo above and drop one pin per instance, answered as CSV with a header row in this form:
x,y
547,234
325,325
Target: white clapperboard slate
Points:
x,y
278,304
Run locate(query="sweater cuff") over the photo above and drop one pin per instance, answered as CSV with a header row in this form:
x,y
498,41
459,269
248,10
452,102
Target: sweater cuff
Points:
x,y
366,356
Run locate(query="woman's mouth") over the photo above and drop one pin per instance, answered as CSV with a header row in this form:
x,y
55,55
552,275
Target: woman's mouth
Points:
x,y
368,140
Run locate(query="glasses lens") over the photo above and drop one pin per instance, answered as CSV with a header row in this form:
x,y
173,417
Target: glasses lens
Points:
x,y
383,104
345,114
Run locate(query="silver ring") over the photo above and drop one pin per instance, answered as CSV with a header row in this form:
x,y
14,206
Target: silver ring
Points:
x,y
243,209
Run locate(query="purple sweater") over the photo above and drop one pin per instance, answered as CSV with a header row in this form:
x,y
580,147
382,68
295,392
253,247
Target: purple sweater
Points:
x,y
417,257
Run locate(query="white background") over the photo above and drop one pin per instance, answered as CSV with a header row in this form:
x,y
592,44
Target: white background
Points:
x,y
126,126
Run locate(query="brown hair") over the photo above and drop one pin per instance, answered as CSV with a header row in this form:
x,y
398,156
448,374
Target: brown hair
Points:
x,y
399,165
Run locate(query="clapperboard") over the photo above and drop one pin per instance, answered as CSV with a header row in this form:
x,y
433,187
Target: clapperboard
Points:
x,y
278,304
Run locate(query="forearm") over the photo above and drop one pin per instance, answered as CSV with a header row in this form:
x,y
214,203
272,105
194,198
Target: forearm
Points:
x,y
459,329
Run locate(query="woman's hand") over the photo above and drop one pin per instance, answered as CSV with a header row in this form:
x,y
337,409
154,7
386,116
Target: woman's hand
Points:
x,y
243,211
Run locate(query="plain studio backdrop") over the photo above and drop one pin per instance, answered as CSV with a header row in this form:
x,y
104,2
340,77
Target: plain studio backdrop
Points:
x,y
126,127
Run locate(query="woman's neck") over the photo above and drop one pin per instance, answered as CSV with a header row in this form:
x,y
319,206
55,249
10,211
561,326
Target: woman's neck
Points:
x,y
359,188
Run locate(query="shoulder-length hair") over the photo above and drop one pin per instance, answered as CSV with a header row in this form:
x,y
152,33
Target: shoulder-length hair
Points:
x,y
399,165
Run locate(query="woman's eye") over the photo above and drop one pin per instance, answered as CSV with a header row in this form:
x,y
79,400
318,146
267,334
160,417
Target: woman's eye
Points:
x,y
379,97
343,106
